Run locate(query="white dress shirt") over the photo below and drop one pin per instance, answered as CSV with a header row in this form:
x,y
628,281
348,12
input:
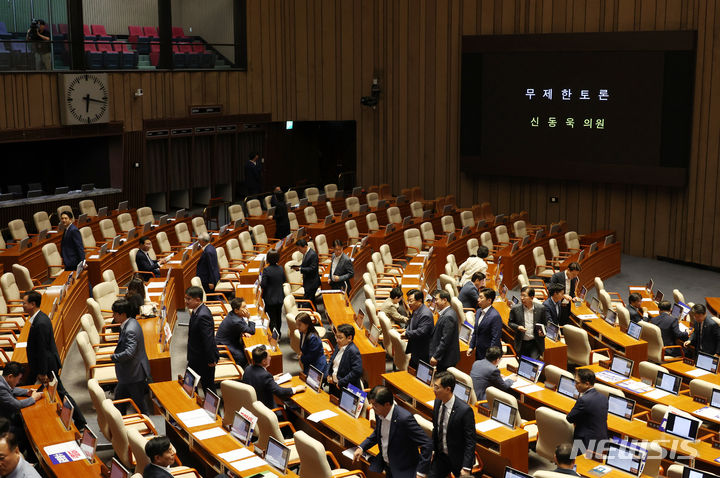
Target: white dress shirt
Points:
x,y
336,362
529,325
385,433
482,314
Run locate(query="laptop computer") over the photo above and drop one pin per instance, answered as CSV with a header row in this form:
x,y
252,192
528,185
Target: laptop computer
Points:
x,y
349,402
147,227
504,413
180,214
622,366
525,241
164,219
529,369
131,234
117,470
515,300
66,413
465,333
87,443
707,362
277,455
566,386
363,208
715,398
406,221
33,193
668,382
425,373
211,404
628,459
62,190
681,426
190,382
609,240
462,392
582,255
356,191
595,305
610,317
583,292
554,228
659,296
241,428
593,247
374,335
634,330
103,211
513,473
515,247
621,407
122,206
539,234
314,378
500,218
695,473
345,213
649,285
551,330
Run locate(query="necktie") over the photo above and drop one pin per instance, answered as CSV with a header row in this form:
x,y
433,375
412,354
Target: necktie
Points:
x,y
442,427
699,345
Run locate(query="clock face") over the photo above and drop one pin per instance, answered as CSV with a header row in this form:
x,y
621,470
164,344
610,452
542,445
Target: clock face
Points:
x,y
86,98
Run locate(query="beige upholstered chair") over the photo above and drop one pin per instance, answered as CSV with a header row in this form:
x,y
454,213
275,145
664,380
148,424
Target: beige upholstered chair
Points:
x,y
472,246
23,279
145,215
312,194
102,321
372,199
572,241
615,297
607,390
486,240
352,231
678,296
416,209
291,197
107,229
119,431
555,252
11,293
52,259
268,426
657,351
520,229
261,237
648,371
465,379
101,348
87,206
88,239
467,219
623,316
163,243
247,245
386,327
236,213
236,395
125,222
502,235
493,394
331,191
352,204
199,227
372,222
294,225
394,216
42,221
448,224
17,229
446,280
104,293
428,234
537,284
701,388
254,208
329,207
553,429
401,359
310,215
104,372
313,459
413,242
553,374
578,347
268,201
388,258
542,267
183,234
63,208
675,471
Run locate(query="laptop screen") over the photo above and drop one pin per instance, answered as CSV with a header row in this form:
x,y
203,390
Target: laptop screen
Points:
x,y
715,398
668,382
624,458
425,373
515,300
659,296
211,403
677,311
465,333
610,317
529,370
314,378
551,331
707,362
66,412
504,413
117,470
277,454
595,305
582,293
621,365
462,392
682,427
349,402
513,473
621,407
190,381
241,428
88,442
566,386
694,473
634,330
649,286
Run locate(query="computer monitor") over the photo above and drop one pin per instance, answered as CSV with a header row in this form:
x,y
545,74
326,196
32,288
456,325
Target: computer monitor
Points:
x,y
102,212
707,362
525,241
117,470
62,190
211,404
582,255
515,300
659,296
593,247
583,292
504,413
625,458
595,305
349,402
88,442
513,473
650,284
374,334
465,333
425,373
241,428
683,427
621,365
180,214
66,413
500,218
122,206
566,386
634,330
277,455
668,382
715,398
609,240
190,382
360,319
148,226
131,234
621,407
677,311
695,473
539,234
552,331
529,369
462,392
515,247
314,378
87,187
610,316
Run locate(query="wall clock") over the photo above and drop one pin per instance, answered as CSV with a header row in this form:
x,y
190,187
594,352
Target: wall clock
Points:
x,y
85,98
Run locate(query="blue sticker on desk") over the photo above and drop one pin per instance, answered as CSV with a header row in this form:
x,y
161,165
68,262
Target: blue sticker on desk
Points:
x,y
57,458
717,459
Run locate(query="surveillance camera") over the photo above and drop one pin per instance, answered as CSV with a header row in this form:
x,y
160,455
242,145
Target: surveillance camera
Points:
x,y
371,101
138,92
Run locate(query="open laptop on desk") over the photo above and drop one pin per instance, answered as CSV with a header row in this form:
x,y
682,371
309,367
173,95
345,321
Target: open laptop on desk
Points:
x,y
595,305
462,392
504,413
668,382
314,378
681,426
190,382
513,473
425,373
349,403
610,317
715,398
695,473
117,470
634,330
581,295
241,429
465,333
620,369
528,371
707,362
628,459
277,455
87,443
211,404
621,407
66,413
566,387
659,296
552,331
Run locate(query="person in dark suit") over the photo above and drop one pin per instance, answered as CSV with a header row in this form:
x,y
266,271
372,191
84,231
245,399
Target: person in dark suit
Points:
x,y
419,328
42,352
568,279
271,283
706,332
131,363
488,326
635,308
553,304
341,268
311,347
208,269
253,174
453,431
233,328
345,366
162,455
309,269
144,262
71,245
669,327
202,353
589,414
444,343
525,319
257,376
13,399
398,437
565,460
470,292
485,373
282,221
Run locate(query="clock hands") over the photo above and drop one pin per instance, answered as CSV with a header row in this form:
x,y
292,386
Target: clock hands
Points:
x,y
88,99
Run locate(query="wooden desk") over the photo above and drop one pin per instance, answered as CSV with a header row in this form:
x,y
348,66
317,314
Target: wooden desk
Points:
x,y
648,299
498,448
170,400
584,465
158,354
373,356
44,428
684,370
713,303
260,337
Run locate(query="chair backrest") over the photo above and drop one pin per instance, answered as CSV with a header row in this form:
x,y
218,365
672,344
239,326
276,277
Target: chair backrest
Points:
x,y
236,395
372,222
88,239
199,227
86,352
606,390
137,447
372,312
52,259
312,194
623,316
652,335
2,242
310,215
133,256
426,229
501,233
385,327
605,301
486,240
572,241
22,277
554,249
401,359
246,243
448,280
648,371
104,294
222,258
416,209
658,412
454,271
17,229
465,379
313,461
87,206
268,201
493,394
413,241
120,441
10,291
386,254
163,242
372,199
125,222
598,283
183,233
109,276
578,345
144,215
254,207
42,221
97,395
267,425
291,197
467,219
331,191
321,245
260,234
352,204
292,218
553,429
553,374
107,229
523,277
472,246
232,247
236,213
393,215
520,229
678,296
701,388
539,256
63,208
86,321
448,224
352,231
96,313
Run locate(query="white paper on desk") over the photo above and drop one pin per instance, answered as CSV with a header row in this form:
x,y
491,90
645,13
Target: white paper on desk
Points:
x,y
254,270
683,327
412,276
321,415
647,299
245,286
637,288
235,455
94,256
174,262
698,372
586,316
656,394
155,294
286,377
423,253
430,403
20,345
250,348
532,388
253,462
487,425
635,385
195,418
209,433
708,412
259,257
70,448
156,285
520,382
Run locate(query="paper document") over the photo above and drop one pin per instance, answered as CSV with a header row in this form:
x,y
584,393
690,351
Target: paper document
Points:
x,y
586,316
156,285
253,462
235,455
637,288
94,256
520,382
20,345
656,394
254,271
411,276
708,412
610,377
635,386
647,299
320,416
698,372
195,418
174,262
487,425
286,377
532,388
65,452
210,433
